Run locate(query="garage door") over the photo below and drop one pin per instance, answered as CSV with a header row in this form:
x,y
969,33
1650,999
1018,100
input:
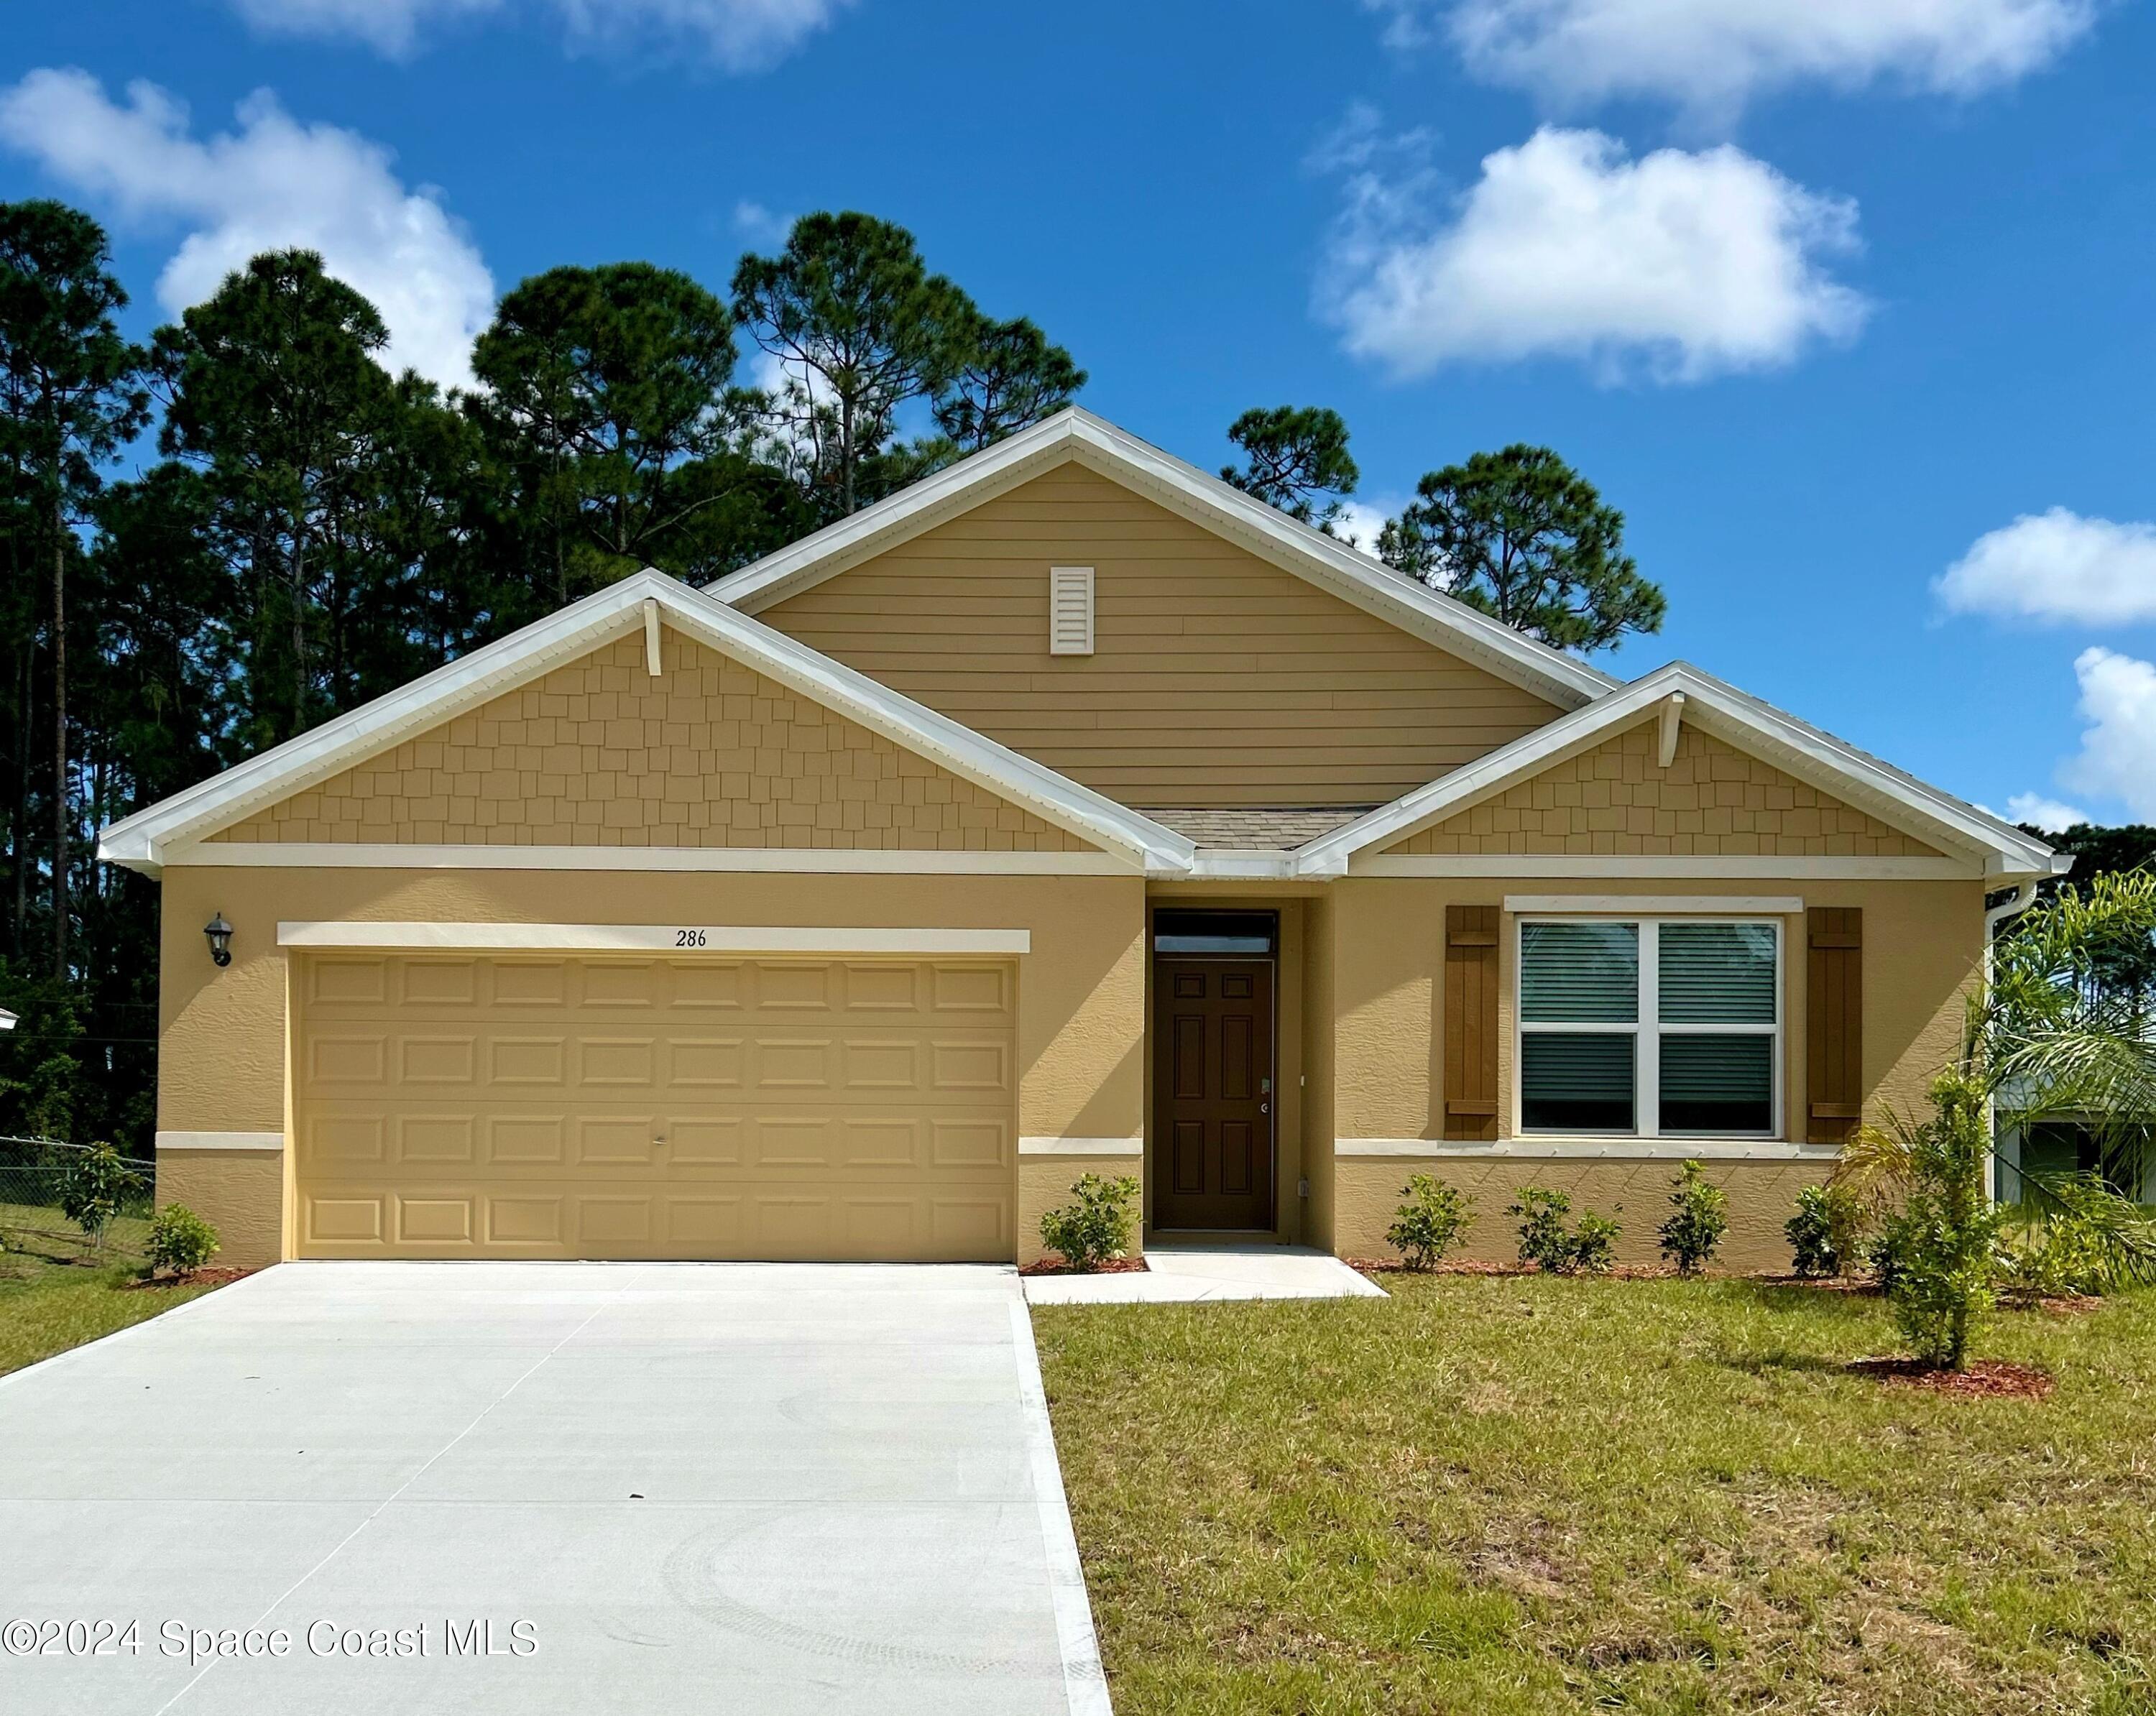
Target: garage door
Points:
x,y
453,1106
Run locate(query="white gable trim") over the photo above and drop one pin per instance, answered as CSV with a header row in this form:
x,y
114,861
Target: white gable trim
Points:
x,y
1718,707
142,839
1076,435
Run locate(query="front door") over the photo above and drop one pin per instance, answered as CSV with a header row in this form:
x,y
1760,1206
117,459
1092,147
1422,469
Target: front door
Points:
x,y
1213,1092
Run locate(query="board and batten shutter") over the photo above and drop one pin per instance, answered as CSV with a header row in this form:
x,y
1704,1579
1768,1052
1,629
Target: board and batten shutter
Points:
x,y
1833,1023
1070,610
1470,1023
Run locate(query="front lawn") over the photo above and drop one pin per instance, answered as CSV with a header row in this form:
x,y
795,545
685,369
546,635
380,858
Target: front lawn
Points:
x,y
56,1293
1520,1494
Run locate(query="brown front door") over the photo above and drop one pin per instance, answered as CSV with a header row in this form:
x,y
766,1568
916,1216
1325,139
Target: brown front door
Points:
x,y
1213,1093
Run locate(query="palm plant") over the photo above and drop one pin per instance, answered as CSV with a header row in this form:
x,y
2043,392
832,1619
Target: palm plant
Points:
x,y
2047,1031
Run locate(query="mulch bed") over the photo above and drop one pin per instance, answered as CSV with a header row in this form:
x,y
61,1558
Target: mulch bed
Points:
x,y
201,1277
1985,1379
1056,1265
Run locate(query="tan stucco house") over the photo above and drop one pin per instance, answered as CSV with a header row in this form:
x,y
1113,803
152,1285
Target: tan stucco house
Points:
x,y
1070,810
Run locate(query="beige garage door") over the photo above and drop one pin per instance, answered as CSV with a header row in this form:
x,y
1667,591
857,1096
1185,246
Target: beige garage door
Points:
x,y
456,1105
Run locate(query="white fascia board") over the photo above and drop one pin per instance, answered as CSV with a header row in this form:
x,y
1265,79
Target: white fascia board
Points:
x,y
1295,548
1657,905
142,840
294,855
1580,866
1717,707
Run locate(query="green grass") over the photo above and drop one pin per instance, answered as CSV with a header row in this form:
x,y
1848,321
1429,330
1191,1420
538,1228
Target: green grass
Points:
x,y
56,1293
1513,1495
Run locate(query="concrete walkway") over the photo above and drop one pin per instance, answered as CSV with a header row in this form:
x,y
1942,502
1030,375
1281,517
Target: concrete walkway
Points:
x,y
1178,1275
654,1488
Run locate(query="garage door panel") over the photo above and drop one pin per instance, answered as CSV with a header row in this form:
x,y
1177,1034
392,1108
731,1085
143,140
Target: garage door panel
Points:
x,y
839,1108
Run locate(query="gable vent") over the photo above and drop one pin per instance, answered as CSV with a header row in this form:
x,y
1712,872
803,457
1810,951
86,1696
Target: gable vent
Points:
x,y
1070,610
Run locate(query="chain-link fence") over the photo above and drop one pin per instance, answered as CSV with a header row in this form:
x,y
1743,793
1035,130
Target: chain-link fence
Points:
x,y
33,1178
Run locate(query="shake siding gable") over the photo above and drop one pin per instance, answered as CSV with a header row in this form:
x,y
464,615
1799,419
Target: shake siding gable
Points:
x,y
598,752
1616,798
1216,679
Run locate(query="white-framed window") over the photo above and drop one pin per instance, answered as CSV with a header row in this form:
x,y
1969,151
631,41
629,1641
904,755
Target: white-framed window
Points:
x,y
1651,1027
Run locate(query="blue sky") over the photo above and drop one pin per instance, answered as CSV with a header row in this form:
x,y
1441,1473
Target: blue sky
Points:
x,y
1830,295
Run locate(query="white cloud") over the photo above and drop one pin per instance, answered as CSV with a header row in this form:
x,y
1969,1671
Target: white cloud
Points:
x,y
272,184
1711,56
1361,522
2057,566
741,35
2046,813
390,27
1685,264
2118,757
759,225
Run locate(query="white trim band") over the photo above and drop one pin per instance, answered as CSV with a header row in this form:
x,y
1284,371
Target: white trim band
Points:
x,y
653,939
1081,1146
220,1141
1720,905
248,855
1594,1149
1683,867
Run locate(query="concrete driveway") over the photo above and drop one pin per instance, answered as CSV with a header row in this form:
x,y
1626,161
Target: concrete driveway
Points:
x,y
538,1488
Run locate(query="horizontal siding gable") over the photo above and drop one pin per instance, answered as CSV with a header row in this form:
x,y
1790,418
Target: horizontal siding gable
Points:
x,y
1216,679
596,752
1615,798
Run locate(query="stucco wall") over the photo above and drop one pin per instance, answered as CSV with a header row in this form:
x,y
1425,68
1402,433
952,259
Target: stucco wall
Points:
x,y
241,1193
1923,941
1044,1182
222,1061
1762,1196
598,752
1617,798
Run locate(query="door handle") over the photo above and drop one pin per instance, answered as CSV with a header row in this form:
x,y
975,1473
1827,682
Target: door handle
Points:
x,y
1265,1107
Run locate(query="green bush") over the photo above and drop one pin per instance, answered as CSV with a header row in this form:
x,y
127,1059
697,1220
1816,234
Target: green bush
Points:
x,y
1594,1244
1545,1242
1946,1230
1826,1234
1699,1217
181,1241
1430,1222
1884,1254
97,1182
1094,1227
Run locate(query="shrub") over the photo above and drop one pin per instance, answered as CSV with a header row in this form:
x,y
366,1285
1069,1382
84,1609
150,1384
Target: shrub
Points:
x,y
1543,1241
1430,1222
1594,1244
1883,1255
1699,1216
1826,1234
1946,1230
181,1241
1094,1227
95,1184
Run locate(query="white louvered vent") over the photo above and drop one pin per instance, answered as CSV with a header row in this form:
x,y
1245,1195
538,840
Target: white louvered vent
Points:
x,y
1070,610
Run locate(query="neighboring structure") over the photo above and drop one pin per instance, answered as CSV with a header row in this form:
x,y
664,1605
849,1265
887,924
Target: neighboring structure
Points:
x,y
1070,810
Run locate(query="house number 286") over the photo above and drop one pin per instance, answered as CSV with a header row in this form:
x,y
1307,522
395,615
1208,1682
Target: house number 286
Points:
x,y
688,938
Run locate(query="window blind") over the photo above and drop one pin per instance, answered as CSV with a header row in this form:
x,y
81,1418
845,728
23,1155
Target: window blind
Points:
x,y
1579,974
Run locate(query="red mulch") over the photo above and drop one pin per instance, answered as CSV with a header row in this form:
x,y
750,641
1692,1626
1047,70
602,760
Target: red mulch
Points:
x,y
1985,1379
1114,1265
201,1277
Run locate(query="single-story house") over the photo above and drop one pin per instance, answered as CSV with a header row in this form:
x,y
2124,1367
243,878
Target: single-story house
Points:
x,y
1068,811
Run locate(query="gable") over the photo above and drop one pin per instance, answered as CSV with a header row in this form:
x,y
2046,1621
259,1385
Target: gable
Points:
x,y
1615,798
709,753
1217,679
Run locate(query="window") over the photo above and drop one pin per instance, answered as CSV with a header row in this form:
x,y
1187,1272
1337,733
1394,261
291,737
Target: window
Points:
x,y
1664,1028
1188,932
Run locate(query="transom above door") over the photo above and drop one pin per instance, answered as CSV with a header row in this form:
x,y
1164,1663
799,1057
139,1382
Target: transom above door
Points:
x,y
1213,1077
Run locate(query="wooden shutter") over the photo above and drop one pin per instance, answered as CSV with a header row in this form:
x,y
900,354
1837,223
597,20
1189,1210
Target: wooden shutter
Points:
x,y
1471,1022
1833,1023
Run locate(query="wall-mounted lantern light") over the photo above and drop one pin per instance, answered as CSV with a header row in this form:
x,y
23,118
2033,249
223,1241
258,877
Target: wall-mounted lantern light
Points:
x,y
220,939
